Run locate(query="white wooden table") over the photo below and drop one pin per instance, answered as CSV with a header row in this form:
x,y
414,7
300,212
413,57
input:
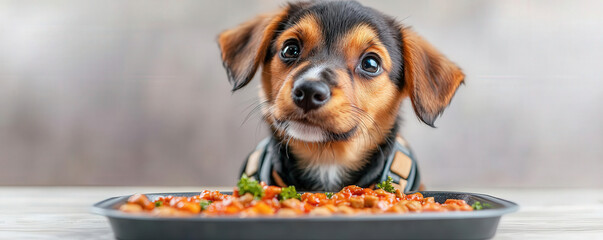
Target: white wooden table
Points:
x,y
63,212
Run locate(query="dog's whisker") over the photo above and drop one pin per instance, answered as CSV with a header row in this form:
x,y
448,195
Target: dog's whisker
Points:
x,y
288,140
361,117
366,116
254,111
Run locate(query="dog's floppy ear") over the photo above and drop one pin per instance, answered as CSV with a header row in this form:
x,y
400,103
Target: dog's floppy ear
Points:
x,y
431,79
244,47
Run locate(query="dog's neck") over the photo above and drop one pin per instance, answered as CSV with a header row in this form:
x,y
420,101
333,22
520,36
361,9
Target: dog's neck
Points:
x,y
313,166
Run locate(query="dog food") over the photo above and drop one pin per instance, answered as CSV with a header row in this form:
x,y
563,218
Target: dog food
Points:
x,y
251,198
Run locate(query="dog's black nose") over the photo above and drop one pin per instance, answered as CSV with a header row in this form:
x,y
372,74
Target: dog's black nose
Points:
x,y
310,95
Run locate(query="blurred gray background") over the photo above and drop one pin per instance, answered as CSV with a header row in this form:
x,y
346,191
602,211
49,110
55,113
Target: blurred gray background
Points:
x,y
133,93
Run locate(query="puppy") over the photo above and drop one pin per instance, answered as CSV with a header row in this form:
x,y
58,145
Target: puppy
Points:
x,y
334,75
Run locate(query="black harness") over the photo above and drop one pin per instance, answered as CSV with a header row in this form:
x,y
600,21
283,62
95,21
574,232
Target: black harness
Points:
x,y
268,163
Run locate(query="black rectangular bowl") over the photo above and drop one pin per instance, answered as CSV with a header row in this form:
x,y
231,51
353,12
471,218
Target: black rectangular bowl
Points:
x,y
479,224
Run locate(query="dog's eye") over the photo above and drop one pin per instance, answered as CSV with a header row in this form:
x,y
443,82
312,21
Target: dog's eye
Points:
x,y
290,51
370,64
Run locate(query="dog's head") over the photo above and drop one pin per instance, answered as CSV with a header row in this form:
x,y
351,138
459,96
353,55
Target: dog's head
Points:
x,y
331,70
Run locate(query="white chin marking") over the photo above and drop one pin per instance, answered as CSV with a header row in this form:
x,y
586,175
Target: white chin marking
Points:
x,y
305,132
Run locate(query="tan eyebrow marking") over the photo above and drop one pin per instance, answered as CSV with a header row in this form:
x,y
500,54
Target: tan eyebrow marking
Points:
x,y
360,40
307,30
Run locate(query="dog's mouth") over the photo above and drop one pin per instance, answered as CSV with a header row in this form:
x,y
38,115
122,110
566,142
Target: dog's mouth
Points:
x,y
306,131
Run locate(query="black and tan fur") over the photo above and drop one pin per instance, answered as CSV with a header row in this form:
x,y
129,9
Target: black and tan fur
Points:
x,y
360,120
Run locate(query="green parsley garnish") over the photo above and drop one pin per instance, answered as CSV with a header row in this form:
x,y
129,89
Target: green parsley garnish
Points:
x,y
204,204
329,194
158,204
387,185
289,192
480,206
247,185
